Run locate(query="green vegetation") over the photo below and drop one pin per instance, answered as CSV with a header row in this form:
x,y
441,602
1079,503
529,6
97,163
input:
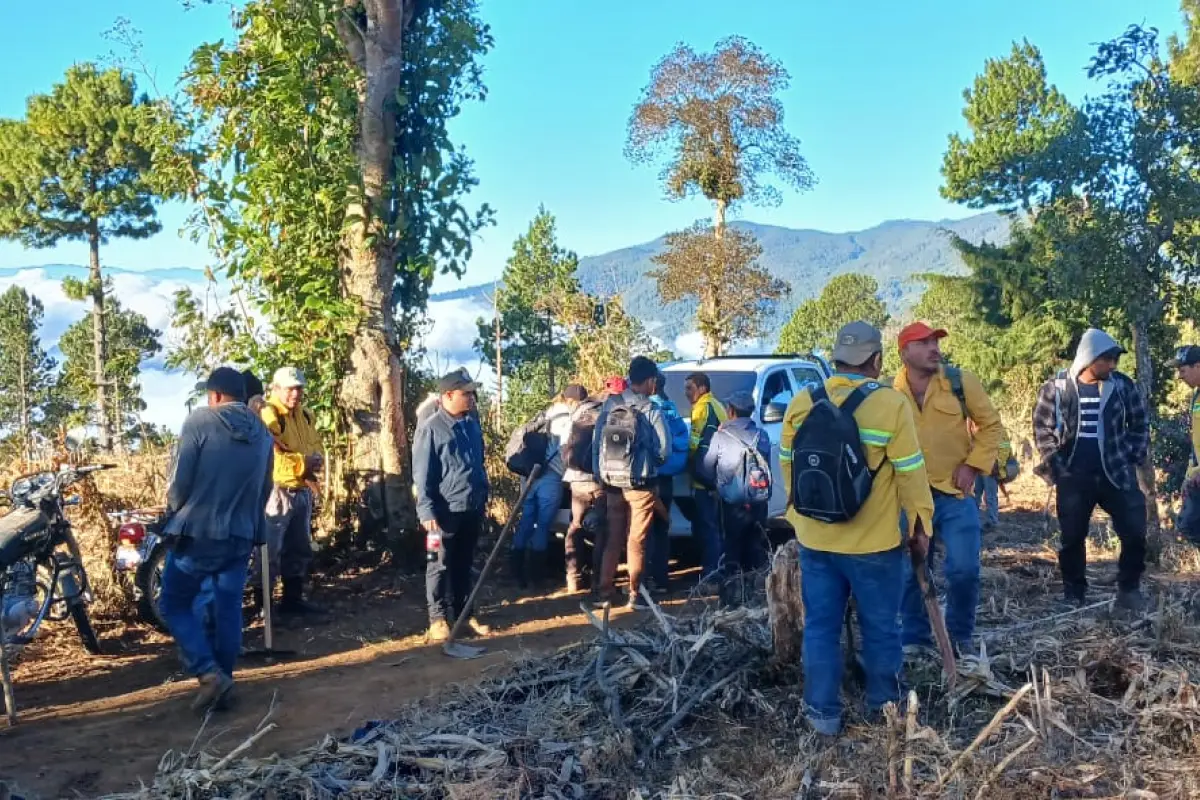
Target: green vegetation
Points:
x,y
844,299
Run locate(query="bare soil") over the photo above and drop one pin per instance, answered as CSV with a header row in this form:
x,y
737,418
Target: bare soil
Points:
x,y
92,725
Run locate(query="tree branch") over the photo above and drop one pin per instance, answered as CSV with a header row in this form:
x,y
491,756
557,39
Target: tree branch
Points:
x,y
352,35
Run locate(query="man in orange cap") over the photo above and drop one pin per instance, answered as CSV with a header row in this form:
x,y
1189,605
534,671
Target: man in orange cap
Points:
x,y
945,399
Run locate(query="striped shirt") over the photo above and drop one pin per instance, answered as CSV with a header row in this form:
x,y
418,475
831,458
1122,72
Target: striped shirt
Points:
x,y
1087,446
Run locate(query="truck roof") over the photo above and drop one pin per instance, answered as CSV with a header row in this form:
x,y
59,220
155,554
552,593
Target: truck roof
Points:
x,y
748,363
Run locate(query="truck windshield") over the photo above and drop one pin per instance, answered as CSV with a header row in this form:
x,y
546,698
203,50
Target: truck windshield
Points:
x,y
724,383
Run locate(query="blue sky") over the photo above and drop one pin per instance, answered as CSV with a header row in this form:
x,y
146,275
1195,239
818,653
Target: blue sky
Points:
x,y
876,87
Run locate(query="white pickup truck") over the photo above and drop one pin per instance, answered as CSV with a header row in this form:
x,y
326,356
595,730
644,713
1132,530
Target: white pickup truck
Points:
x,y
773,380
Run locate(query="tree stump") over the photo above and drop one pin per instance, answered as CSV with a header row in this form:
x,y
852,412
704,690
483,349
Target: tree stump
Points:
x,y
785,606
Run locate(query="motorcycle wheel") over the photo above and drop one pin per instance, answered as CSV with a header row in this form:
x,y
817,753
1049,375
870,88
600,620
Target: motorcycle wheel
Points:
x,y
149,583
87,634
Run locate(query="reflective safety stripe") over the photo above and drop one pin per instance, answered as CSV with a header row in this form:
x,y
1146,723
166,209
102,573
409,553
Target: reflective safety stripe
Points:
x,y
875,437
909,463
785,454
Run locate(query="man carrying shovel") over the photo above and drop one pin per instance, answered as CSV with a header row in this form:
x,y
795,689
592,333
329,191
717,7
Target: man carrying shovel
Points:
x,y
452,493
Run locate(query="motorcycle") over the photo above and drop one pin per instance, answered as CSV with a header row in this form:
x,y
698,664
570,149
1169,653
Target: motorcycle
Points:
x,y
41,569
141,556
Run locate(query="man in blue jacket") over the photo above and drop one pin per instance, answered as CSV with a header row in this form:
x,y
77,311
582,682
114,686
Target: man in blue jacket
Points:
x,y
452,494
220,483
742,487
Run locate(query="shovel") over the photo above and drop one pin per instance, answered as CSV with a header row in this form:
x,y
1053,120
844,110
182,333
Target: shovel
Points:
x,y
268,652
465,651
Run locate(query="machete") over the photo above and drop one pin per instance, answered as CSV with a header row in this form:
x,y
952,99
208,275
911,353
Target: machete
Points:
x,y
933,608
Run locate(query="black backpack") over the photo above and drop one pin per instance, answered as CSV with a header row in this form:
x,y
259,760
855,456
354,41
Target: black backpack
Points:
x,y
528,446
619,446
577,451
830,477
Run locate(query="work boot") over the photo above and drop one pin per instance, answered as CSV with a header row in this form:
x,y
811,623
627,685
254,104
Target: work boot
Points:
x,y
293,602
535,567
213,688
1131,600
516,563
478,628
439,631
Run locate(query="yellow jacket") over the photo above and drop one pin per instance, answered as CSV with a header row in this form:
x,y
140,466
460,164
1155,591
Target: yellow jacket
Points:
x,y
295,438
1194,459
707,416
889,439
943,432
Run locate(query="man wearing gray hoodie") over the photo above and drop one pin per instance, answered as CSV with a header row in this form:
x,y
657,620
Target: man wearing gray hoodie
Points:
x,y
220,483
1092,431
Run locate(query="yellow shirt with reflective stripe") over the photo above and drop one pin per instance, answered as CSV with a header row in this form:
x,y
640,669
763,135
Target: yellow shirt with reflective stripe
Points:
x,y
889,438
295,438
707,416
943,432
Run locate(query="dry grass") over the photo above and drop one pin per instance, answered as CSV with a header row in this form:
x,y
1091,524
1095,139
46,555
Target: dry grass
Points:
x,y
693,705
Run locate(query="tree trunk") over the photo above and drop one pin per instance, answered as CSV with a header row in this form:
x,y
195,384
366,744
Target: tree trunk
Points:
x,y
26,437
99,356
372,391
712,340
785,606
1145,380
498,417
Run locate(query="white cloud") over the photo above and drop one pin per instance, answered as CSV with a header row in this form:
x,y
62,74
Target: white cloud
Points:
x,y
165,394
453,331
689,345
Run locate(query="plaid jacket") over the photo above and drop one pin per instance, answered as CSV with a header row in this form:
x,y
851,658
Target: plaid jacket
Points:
x,y
1126,435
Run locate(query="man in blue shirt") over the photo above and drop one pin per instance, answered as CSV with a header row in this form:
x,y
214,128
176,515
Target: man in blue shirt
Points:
x,y
452,494
729,465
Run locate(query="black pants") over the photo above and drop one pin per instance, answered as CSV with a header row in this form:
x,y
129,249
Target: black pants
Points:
x,y
1188,522
742,527
448,567
1078,497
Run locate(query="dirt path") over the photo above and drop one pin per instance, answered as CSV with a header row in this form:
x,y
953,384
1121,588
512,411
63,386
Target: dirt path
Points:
x,y
94,725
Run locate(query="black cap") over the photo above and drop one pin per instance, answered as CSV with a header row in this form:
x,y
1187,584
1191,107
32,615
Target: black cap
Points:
x,y
458,380
1186,356
225,380
254,386
575,392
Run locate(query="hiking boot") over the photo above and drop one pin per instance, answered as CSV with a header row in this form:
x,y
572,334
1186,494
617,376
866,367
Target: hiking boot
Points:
x,y
439,631
478,628
213,688
1131,600
293,602
1073,598
227,701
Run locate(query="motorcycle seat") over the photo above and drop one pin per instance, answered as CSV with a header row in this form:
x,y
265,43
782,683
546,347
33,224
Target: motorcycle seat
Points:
x,y
15,526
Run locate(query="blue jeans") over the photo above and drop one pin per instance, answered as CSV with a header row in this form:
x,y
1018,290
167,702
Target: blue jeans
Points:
x,y
537,514
956,528
706,527
222,564
827,582
987,488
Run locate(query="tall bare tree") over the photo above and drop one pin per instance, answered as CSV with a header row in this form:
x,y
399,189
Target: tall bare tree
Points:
x,y
715,123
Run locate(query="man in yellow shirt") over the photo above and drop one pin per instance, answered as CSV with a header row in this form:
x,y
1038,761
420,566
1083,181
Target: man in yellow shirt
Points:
x,y
298,459
944,401
863,556
707,415
1187,365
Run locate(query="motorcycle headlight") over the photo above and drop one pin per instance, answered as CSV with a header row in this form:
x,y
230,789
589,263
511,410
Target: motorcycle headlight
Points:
x,y
20,489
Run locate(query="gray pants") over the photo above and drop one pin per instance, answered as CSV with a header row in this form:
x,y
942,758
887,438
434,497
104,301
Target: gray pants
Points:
x,y
289,534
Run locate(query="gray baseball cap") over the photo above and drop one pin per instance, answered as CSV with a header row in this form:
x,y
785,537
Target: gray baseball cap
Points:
x,y
856,343
742,400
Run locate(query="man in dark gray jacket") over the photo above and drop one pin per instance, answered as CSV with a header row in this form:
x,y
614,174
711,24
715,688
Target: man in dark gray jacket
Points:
x,y
220,483
630,443
452,494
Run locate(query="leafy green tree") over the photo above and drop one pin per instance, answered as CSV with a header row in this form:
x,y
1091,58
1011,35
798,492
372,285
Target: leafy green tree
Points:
x,y
715,122
81,167
537,270
734,294
26,372
334,194
206,331
131,341
844,299
1110,189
